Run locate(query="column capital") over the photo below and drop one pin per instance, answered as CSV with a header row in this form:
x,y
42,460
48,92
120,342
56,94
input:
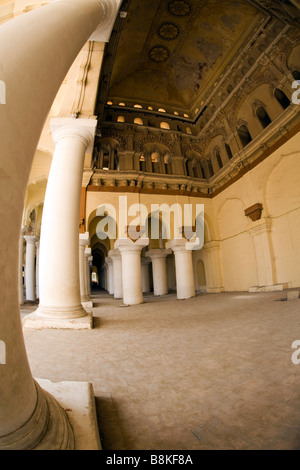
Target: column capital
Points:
x,y
84,129
126,244
84,239
31,239
114,254
177,244
104,29
158,253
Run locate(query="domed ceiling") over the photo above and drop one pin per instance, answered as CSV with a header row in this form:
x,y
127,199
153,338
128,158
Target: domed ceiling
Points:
x,y
169,53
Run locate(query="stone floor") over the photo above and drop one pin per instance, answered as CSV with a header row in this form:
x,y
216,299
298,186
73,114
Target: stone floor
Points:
x,y
212,372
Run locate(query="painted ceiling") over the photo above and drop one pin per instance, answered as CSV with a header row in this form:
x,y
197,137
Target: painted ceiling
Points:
x,y
170,52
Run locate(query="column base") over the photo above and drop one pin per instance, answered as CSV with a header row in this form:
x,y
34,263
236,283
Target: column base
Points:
x,y
38,322
274,288
48,428
77,399
87,303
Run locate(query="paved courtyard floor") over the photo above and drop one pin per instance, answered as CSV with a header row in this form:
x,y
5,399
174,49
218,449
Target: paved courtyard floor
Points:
x,y
212,372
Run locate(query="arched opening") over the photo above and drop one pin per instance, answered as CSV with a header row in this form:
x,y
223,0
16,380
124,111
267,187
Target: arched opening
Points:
x,y
164,125
228,151
116,161
196,169
121,119
105,165
219,159
282,99
296,74
168,164
138,121
244,135
263,116
155,162
142,163
210,169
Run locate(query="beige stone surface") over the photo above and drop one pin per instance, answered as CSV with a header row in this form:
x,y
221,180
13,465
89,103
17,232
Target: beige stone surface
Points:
x,y
77,399
212,372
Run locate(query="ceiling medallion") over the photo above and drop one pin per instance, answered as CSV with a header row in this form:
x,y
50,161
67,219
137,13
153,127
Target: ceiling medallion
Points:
x,y
168,31
159,54
179,8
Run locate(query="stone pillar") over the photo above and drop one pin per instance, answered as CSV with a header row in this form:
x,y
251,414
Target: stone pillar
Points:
x,y
184,268
37,269
59,248
213,267
21,253
266,272
110,276
159,269
83,241
30,267
131,269
88,262
145,275
37,42
115,255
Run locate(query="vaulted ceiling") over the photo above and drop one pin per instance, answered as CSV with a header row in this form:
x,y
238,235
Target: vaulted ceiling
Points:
x,y
169,53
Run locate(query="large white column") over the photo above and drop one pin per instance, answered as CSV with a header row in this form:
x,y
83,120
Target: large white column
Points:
x,y
115,255
59,244
145,275
184,268
83,242
159,270
43,43
37,269
131,269
110,275
30,267
21,254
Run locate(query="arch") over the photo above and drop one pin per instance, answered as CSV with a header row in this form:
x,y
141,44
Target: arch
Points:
x,y
164,125
168,164
282,99
244,135
138,121
228,151
263,116
121,118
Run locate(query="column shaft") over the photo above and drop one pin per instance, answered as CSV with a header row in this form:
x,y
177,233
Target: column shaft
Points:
x,y
115,255
37,42
184,269
59,243
30,267
131,269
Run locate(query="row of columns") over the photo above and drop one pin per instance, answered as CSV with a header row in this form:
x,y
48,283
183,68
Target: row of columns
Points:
x,y
31,271
126,273
31,418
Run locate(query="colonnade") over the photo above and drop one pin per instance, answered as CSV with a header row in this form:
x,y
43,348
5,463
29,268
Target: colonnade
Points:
x,y
30,417
127,276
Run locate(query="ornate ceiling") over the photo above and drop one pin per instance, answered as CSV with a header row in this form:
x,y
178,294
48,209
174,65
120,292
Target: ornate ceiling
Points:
x,y
169,53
